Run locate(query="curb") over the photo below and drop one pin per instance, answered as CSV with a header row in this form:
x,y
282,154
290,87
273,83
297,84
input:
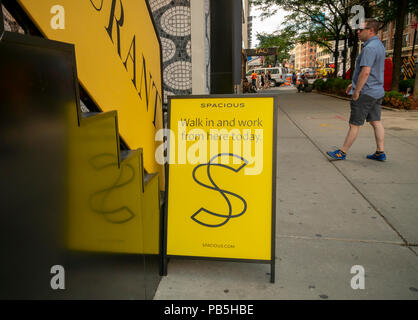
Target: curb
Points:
x,y
348,99
332,95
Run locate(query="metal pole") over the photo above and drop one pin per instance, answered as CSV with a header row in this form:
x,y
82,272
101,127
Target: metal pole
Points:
x,y
237,44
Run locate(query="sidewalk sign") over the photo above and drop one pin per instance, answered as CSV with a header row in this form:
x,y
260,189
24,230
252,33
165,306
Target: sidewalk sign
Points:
x,y
221,178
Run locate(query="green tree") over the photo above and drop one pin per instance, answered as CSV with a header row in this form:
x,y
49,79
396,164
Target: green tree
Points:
x,y
318,21
283,40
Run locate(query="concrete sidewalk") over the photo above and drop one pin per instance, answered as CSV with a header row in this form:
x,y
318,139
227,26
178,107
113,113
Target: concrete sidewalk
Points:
x,y
330,215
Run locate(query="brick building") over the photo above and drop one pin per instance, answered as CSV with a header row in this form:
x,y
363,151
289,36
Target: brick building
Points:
x,y
387,35
323,57
305,55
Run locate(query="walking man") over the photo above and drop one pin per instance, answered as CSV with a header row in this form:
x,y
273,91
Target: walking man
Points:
x,y
367,92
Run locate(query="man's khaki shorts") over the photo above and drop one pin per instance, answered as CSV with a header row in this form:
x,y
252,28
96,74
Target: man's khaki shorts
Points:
x,y
365,108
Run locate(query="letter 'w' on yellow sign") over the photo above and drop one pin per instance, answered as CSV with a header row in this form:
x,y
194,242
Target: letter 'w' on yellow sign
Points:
x,y
118,62
221,179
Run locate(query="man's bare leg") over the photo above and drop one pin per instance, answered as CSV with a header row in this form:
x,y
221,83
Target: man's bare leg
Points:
x,y
379,134
350,138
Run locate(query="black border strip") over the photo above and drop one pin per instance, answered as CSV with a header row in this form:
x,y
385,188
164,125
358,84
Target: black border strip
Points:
x,y
274,176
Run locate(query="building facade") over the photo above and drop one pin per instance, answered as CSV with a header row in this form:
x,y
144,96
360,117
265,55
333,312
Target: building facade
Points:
x,y
387,35
323,57
305,55
246,24
341,57
296,53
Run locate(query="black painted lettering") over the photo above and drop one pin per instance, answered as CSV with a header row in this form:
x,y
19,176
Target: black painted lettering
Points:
x,y
119,23
132,56
97,9
144,79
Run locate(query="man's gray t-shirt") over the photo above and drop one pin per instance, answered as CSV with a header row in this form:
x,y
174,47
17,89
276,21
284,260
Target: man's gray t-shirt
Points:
x,y
372,55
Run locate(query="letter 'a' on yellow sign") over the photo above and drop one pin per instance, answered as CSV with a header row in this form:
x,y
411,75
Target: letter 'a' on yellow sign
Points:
x,y
118,62
221,177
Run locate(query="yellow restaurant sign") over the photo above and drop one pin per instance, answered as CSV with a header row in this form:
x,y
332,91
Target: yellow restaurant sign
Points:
x,y
221,177
118,61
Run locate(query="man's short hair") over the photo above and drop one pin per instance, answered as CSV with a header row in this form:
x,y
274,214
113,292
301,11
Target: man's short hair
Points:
x,y
372,24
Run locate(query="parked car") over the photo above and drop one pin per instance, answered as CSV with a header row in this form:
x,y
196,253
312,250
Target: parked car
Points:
x,y
278,74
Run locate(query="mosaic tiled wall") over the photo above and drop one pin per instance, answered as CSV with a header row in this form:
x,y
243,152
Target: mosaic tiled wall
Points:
x,y
10,24
173,19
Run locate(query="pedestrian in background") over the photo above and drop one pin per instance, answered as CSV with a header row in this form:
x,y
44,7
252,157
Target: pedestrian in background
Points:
x,y
254,80
246,87
268,79
367,92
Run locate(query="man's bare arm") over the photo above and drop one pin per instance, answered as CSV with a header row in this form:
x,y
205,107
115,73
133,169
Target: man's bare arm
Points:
x,y
362,79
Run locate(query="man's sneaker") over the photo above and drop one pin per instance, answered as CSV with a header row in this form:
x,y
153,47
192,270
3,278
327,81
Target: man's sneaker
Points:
x,y
337,154
378,157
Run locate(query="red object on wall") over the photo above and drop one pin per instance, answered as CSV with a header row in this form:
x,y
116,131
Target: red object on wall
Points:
x,y
347,74
388,74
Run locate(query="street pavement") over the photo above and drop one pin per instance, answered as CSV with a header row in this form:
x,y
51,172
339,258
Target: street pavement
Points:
x,y
331,215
